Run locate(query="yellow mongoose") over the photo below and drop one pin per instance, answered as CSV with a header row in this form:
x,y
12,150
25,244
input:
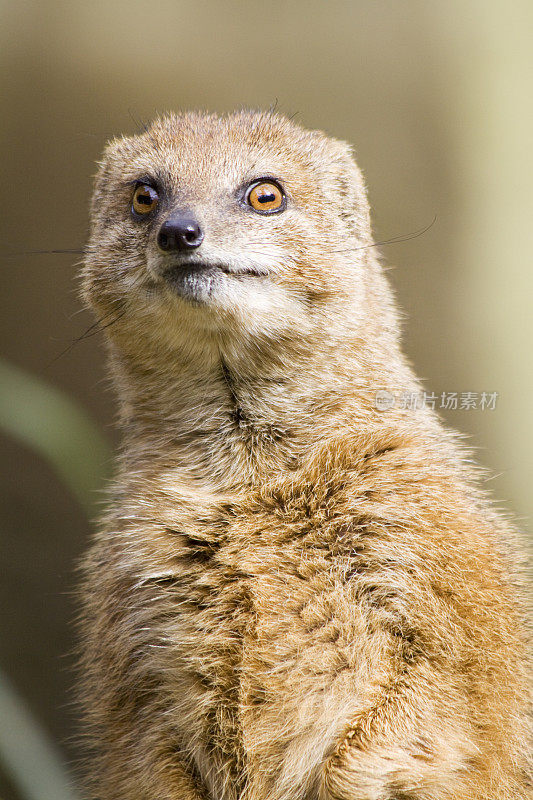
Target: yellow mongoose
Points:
x,y
295,595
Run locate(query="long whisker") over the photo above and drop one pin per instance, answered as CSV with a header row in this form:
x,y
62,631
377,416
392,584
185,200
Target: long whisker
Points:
x,y
99,325
405,238
92,330
141,124
45,252
138,122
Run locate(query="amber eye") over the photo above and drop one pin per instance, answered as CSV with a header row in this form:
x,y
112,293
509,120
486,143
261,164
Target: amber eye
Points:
x,y
145,199
265,197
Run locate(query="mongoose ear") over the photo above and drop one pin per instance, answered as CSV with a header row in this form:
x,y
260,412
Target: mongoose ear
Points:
x,y
108,166
352,196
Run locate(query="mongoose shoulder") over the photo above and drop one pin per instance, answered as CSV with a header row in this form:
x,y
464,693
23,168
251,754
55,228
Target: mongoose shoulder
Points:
x,y
294,595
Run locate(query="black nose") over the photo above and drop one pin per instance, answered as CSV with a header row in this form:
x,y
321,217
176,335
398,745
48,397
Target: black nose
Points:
x,y
180,233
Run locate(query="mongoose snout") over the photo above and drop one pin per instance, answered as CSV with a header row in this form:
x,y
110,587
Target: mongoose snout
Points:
x,y
180,232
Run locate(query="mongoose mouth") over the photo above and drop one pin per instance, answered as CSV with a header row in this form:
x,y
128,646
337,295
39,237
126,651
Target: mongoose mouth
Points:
x,y
178,269
197,280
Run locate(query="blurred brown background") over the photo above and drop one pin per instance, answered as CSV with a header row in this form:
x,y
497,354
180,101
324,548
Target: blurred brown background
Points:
x,y
437,99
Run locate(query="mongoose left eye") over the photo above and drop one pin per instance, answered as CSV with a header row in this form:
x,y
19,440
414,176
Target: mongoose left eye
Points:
x,y
265,197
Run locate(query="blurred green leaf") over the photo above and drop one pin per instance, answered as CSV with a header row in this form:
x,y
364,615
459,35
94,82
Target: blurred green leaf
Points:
x,y
53,425
27,754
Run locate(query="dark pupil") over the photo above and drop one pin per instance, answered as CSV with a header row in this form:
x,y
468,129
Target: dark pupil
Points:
x,y
144,198
267,198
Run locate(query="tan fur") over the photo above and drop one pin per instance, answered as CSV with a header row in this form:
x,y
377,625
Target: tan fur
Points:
x,y
294,596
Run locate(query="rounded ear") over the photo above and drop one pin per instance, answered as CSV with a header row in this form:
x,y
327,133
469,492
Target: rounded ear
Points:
x,y
115,153
101,178
350,185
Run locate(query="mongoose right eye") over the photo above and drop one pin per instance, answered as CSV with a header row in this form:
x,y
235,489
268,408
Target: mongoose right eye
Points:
x,y
145,200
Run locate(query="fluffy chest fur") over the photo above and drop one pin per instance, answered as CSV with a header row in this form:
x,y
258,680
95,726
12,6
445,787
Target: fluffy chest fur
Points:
x,y
243,622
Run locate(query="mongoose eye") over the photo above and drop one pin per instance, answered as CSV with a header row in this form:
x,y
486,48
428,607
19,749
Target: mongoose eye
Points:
x,y
145,200
265,197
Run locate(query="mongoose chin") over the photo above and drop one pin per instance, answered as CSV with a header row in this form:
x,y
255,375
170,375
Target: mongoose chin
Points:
x,y
297,593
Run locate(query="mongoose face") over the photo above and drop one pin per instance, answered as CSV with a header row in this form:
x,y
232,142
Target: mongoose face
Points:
x,y
244,223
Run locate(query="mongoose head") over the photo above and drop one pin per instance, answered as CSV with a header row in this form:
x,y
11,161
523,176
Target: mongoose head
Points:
x,y
245,225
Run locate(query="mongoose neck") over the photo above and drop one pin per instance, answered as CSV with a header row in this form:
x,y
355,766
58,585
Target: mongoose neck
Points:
x,y
240,416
